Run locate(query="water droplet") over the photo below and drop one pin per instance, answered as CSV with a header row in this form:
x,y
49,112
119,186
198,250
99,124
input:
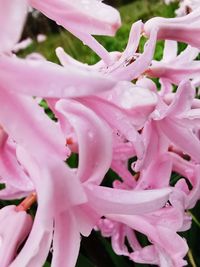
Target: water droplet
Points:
x,y
50,93
90,134
70,91
1,240
51,249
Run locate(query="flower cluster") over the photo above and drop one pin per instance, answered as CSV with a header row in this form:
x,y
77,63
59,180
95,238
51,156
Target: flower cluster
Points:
x,y
107,113
185,6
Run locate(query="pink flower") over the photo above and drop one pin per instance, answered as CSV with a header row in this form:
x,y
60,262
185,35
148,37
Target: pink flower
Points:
x,y
160,227
124,66
174,68
17,182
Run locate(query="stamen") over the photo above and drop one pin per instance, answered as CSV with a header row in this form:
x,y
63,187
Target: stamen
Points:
x,y
136,176
27,202
69,141
179,152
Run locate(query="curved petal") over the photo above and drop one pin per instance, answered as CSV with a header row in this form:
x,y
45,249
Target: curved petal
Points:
x,y
11,172
175,73
91,16
29,126
117,119
131,48
52,80
183,137
12,17
13,193
94,140
161,237
157,174
36,248
66,241
109,201
83,18
139,66
170,50
15,227
182,100
183,29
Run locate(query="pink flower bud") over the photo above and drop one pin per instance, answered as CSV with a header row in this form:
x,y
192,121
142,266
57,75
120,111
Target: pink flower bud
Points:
x,y
14,228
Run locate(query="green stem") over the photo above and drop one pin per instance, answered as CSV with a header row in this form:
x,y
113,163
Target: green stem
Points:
x,y
194,219
190,256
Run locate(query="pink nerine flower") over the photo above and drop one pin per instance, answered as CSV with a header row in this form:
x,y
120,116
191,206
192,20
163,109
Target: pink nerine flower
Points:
x,y
174,67
185,6
107,120
124,66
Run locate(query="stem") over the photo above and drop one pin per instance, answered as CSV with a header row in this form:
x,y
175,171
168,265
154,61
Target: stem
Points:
x,y
191,259
194,219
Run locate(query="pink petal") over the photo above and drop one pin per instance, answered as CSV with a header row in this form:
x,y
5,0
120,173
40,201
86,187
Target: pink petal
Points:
x,y
11,172
160,236
15,226
117,119
94,140
83,18
183,137
139,66
89,16
38,133
108,200
12,17
66,241
182,101
170,50
36,248
86,218
183,29
157,174
52,80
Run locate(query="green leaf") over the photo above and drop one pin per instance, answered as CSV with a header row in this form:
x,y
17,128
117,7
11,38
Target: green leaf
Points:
x,y
83,261
47,264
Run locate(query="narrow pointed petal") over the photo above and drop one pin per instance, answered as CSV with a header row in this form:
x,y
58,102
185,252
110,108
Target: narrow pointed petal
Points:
x,y
36,248
160,236
108,200
118,120
15,227
16,111
11,172
139,66
52,81
91,16
183,137
12,17
183,29
182,101
170,50
94,139
66,241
